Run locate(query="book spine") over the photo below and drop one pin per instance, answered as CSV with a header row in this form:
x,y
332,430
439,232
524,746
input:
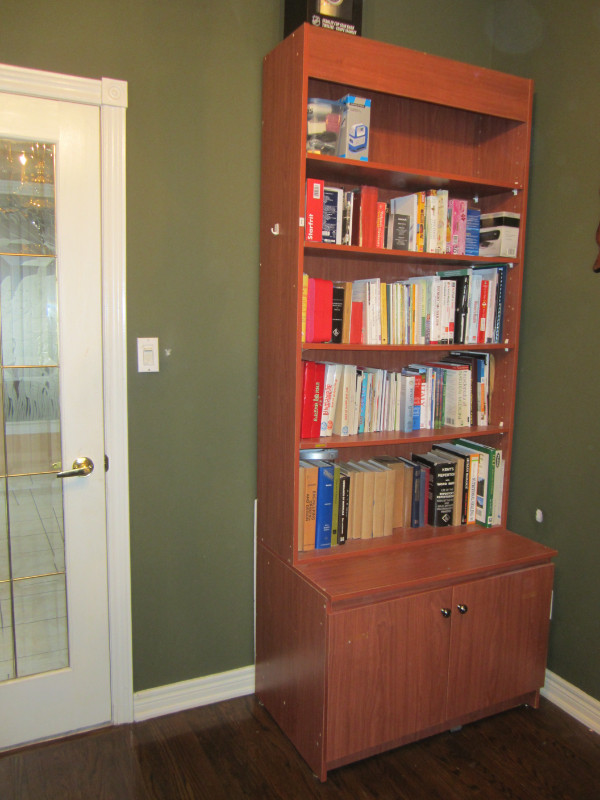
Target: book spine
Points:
x,y
314,210
324,511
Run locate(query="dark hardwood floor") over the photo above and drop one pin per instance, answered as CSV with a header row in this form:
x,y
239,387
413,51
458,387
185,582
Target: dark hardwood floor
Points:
x,y
234,750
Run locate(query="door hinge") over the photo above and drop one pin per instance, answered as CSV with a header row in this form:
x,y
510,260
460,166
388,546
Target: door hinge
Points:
x,y
105,463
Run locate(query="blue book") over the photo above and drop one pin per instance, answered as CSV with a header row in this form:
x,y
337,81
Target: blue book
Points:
x,y
473,225
324,514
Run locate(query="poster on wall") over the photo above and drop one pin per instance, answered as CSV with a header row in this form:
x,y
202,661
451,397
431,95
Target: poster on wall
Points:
x,y
337,15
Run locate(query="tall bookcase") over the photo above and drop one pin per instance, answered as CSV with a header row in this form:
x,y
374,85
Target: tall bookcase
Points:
x,y
378,642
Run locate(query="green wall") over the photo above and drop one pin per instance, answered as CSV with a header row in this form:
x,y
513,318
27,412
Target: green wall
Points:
x,y
557,437
193,160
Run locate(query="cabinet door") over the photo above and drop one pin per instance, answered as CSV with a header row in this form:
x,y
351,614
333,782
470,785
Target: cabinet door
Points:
x,y
499,641
387,673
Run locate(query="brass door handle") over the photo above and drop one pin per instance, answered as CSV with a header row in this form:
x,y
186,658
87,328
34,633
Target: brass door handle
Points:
x,y
81,467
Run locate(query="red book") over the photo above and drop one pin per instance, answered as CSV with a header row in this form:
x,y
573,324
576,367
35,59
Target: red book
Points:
x,y
323,310
356,323
309,335
483,304
313,230
317,400
380,232
308,390
368,216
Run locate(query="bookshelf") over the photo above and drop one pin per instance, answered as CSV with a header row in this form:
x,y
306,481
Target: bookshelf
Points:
x,y
381,641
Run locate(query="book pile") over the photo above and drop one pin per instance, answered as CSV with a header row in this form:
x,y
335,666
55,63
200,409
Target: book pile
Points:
x,y
456,483
346,399
463,306
425,222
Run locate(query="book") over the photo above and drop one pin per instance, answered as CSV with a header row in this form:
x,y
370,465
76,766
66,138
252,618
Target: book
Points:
x,y
457,223
343,505
398,232
337,312
406,205
313,228
344,407
459,509
415,491
493,487
442,220
403,482
472,232
355,499
440,487
335,511
381,224
301,506
308,501
324,510
319,310
308,389
332,215
368,217
485,481
304,306
331,387
471,476
431,221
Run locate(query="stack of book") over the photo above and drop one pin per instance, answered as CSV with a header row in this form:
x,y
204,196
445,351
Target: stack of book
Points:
x,y
464,306
347,399
456,483
428,221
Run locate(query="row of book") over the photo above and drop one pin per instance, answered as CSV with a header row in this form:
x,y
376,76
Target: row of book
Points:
x,y
456,483
427,221
347,399
464,306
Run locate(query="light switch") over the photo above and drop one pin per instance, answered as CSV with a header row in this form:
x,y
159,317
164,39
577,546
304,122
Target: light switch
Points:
x,y
147,355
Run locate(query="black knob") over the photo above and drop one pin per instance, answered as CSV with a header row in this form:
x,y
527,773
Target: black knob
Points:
x,y
462,608
446,612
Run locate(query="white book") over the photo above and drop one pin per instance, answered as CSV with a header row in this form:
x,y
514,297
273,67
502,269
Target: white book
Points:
x,y
331,385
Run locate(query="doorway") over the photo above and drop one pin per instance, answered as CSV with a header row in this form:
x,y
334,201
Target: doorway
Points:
x,y
50,640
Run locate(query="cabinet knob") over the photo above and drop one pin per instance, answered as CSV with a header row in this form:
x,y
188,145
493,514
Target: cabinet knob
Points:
x,y
446,612
462,608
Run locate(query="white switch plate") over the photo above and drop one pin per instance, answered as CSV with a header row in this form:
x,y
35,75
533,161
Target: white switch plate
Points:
x,y
147,355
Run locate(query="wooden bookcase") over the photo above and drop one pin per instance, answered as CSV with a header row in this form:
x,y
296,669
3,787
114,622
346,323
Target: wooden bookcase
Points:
x,y
379,642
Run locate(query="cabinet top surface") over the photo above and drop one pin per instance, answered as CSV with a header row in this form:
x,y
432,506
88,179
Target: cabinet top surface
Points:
x,y
416,568
379,66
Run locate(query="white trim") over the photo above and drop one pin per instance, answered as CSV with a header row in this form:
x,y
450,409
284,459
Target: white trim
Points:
x,y
51,85
575,702
114,337
191,694
111,97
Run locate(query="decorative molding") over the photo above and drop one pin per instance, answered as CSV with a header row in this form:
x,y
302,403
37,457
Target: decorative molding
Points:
x,y
569,698
191,694
50,85
114,93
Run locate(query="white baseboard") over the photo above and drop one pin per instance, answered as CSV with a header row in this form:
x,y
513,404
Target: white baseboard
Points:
x,y
240,682
190,694
569,698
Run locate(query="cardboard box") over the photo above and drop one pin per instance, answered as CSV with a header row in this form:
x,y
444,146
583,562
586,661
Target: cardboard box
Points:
x,y
337,15
499,234
355,128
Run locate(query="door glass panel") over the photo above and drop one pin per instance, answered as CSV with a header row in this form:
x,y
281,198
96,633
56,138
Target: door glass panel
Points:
x,y
33,618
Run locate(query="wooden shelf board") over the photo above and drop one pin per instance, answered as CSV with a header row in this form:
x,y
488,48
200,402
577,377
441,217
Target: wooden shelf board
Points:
x,y
380,574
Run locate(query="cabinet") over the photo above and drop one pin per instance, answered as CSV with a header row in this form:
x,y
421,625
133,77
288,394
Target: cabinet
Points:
x,y
362,647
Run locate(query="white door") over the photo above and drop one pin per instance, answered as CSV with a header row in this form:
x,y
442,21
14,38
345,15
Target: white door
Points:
x,y
54,646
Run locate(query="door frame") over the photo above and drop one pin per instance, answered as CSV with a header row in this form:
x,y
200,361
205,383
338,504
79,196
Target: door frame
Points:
x,y
110,96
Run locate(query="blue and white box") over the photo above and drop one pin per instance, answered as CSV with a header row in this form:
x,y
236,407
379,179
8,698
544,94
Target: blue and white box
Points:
x,y
355,128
